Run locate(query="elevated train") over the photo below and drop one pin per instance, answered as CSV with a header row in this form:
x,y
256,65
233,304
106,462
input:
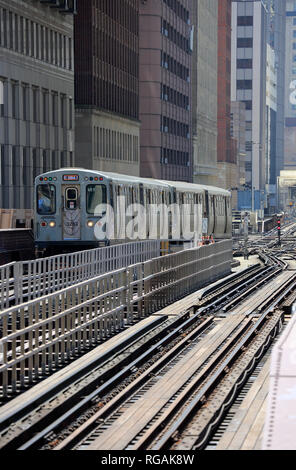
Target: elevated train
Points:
x,y
66,202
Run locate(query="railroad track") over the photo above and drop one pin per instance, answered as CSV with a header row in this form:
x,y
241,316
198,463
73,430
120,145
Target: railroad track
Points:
x,y
80,409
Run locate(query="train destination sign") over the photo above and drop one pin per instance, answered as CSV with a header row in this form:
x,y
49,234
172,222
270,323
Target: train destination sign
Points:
x,y
70,177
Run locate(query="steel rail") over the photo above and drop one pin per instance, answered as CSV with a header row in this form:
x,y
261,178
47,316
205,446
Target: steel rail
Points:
x,y
175,429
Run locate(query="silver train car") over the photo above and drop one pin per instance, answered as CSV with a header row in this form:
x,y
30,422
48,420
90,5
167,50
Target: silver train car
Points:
x,y
67,201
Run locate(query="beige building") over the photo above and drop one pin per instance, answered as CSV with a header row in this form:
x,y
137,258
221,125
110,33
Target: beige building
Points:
x,y
204,99
107,142
36,97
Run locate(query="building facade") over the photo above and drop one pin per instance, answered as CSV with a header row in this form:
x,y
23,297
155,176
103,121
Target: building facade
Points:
x,y
204,93
290,87
107,85
248,83
271,129
165,89
277,40
238,133
226,147
36,95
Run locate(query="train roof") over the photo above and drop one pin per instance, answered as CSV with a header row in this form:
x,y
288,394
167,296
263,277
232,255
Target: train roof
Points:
x,y
181,185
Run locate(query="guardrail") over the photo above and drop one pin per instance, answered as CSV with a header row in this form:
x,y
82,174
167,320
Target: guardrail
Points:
x,y
40,335
26,280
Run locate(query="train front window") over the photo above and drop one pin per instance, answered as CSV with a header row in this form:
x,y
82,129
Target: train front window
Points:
x,y
46,199
71,198
96,194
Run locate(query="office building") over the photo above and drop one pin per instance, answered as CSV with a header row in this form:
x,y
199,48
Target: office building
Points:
x,y
248,83
165,89
204,91
226,146
107,85
36,93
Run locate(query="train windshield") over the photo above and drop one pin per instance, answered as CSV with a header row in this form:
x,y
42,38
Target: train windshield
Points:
x,y
46,199
96,194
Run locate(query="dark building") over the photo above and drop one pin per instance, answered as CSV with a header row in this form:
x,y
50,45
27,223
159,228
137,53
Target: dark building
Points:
x,y
165,89
107,85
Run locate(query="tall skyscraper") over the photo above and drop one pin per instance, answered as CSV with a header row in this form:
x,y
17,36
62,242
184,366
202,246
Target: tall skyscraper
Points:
x,y
278,43
37,95
107,85
290,88
248,84
165,89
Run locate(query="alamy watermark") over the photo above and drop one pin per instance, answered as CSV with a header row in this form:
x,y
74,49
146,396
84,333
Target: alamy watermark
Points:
x,y
154,221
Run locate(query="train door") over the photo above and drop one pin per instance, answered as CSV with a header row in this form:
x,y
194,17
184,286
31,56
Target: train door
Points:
x,y
227,215
71,212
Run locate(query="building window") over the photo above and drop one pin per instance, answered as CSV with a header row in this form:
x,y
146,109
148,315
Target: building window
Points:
x,y
244,84
249,105
1,98
244,63
63,113
35,105
245,21
70,113
2,162
14,100
45,103
25,103
55,109
249,146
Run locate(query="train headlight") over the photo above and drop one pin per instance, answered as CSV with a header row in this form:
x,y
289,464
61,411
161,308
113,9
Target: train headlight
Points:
x,y
52,224
90,223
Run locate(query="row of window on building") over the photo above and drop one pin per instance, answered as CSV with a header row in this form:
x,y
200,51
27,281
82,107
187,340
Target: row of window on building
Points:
x,y
20,165
114,52
18,168
115,145
174,97
179,9
171,126
113,98
174,66
124,12
173,35
30,103
174,157
38,41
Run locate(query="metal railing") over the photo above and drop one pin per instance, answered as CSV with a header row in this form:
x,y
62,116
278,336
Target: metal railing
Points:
x,y
40,335
25,280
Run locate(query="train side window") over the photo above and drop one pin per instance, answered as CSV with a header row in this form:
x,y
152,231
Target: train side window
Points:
x,y
46,199
96,194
